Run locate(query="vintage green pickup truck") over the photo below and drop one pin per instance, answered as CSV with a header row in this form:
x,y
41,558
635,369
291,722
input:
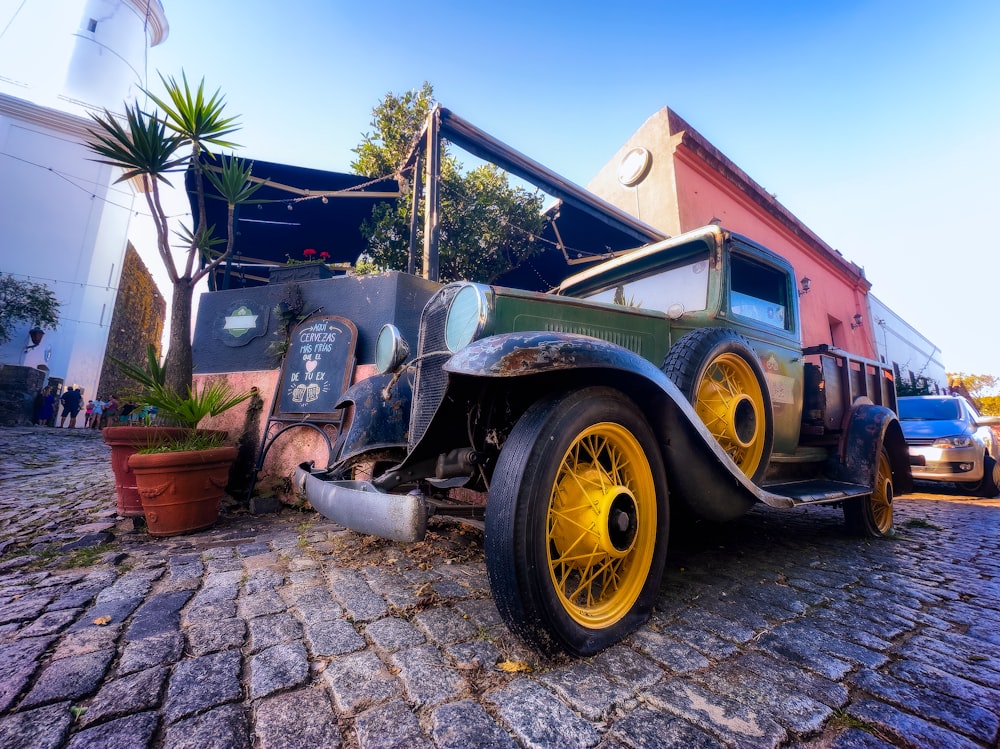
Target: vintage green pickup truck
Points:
x,y
672,378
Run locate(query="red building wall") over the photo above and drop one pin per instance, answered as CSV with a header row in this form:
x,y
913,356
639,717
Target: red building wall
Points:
x,y
690,183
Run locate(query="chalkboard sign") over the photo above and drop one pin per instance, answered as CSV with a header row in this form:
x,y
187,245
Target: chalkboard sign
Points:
x,y
318,366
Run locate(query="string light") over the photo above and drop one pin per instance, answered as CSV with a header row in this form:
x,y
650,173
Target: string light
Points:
x,y
82,188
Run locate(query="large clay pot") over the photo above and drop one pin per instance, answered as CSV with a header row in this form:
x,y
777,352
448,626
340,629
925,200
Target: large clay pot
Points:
x,y
124,442
180,491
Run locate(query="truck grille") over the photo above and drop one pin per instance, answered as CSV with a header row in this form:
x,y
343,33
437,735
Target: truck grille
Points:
x,y
430,380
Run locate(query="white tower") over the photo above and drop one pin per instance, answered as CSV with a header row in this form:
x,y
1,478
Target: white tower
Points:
x,y
73,54
62,220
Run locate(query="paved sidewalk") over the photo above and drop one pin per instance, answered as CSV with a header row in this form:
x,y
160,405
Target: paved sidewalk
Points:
x,y
287,631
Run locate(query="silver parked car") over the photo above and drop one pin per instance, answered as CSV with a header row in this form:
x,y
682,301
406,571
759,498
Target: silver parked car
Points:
x,y
949,440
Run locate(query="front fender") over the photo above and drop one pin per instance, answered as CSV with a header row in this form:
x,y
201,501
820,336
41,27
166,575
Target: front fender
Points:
x,y
699,472
377,424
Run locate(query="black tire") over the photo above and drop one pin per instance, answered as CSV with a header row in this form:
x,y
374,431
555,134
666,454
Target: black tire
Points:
x,y
718,372
564,449
871,516
989,485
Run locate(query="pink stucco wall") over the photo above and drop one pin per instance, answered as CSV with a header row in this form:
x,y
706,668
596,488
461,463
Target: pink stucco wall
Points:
x,y
294,446
690,184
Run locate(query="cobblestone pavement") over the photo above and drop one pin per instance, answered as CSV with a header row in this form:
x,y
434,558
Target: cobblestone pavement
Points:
x,y
287,631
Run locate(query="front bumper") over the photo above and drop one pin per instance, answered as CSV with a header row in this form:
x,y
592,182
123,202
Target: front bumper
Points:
x,y
362,507
946,463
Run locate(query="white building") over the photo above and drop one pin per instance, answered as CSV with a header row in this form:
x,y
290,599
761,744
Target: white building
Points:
x,y
911,355
62,221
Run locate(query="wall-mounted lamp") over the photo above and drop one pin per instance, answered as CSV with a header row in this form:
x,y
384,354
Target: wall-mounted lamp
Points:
x,y
35,334
806,284
858,319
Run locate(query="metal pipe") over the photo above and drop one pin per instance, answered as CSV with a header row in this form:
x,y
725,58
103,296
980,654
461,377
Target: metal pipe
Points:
x,y
432,228
411,260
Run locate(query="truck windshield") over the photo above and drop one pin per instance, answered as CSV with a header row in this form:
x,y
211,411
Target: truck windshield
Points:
x,y
919,409
683,287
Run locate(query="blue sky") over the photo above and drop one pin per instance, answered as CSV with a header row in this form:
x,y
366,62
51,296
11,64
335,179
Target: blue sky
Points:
x,y
875,123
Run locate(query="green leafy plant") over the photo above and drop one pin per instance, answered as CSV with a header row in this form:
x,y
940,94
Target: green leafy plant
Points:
x,y
193,441
210,400
25,301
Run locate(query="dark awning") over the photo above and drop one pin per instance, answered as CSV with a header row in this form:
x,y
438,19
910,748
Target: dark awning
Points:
x,y
298,208
303,208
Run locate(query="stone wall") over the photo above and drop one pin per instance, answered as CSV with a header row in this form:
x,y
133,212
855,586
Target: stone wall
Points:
x,y
18,386
137,321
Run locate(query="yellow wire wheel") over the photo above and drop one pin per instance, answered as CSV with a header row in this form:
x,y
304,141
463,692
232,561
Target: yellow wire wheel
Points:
x,y
730,402
601,525
718,372
881,500
872,516
577,522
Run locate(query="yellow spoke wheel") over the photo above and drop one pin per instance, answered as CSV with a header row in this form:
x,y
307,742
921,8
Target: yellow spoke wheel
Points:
x,y
577,522
718,372
730,402
881,501
601,525
872,516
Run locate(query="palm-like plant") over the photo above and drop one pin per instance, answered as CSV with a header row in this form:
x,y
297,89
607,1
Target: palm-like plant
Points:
x,y
149,146
183,410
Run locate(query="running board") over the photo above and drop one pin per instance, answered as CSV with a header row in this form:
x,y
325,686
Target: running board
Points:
x,y
811,492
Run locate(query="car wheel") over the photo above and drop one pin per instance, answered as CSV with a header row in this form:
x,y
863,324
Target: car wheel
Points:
x,y
989,485
718,372
871,516
577,522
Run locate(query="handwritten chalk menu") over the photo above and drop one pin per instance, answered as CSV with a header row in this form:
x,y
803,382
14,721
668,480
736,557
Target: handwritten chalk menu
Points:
x,y
318,366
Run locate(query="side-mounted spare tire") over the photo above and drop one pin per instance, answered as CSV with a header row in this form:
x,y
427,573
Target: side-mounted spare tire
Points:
x,y
718,372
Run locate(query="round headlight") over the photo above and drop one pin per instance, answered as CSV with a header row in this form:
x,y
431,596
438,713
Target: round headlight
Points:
x,y
391,349
466,317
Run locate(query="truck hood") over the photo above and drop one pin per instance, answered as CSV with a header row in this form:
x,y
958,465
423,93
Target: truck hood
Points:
x,y
927,429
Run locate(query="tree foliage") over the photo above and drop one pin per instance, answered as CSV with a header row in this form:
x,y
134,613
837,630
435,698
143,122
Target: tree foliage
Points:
x,y
981,389
25,302
488,226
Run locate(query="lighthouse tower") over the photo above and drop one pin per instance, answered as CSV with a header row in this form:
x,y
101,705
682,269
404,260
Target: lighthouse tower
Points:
x,y
74,55
63,221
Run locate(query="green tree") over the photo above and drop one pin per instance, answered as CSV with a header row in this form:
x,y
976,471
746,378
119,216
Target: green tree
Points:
x,y
488,226
149,146
25,302
981,389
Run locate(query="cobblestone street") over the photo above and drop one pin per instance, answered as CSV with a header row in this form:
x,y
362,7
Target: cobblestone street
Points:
x,y
285,630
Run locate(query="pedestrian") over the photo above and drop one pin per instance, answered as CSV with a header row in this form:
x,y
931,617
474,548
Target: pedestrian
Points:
x,y
48,413
71,400
98,413
37,405
89,414
111,411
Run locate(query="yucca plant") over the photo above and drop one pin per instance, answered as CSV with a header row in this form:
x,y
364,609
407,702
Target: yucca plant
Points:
x,y
180,410
148,146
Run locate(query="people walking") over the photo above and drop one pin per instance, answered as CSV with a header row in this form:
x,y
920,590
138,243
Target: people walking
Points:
x,y
110,412
98,414
42,407
71,400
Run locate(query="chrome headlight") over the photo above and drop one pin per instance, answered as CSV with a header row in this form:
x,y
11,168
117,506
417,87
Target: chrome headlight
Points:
x,y
962,440
468,316
391,349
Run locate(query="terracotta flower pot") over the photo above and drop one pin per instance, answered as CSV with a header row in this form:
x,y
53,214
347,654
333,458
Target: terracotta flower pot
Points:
x,y
180,491
124,442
